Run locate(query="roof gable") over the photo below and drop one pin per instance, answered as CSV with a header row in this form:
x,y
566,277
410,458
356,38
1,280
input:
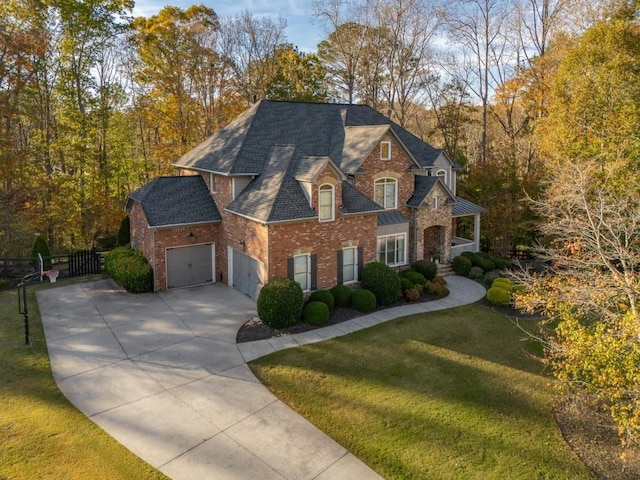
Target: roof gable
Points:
x,y
423,185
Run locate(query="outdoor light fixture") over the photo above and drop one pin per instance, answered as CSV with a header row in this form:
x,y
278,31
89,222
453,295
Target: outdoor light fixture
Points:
x,y
191,236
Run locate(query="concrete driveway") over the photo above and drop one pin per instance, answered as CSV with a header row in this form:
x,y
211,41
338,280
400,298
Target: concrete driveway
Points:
x,y
162,374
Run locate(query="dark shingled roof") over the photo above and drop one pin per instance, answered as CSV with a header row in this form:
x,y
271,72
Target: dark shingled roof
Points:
x,y
422,187
392,217
354,201
464,207
323,130
177,201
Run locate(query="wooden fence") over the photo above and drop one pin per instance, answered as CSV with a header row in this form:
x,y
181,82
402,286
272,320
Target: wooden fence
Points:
x,y
76,264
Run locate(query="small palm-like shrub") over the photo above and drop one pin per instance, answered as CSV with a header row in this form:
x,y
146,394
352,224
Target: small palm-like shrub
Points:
x,y
324,296
341,295
280,303
414,277
461,265
316,313
129,269
382,281
412,294
440,281
499,296
428,269
363,300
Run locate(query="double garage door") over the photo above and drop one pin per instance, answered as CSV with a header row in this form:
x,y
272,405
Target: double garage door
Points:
x,y
247,274
191,265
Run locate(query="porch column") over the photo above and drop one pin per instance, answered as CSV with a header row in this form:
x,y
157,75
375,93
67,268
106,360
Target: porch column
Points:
x,y
476,232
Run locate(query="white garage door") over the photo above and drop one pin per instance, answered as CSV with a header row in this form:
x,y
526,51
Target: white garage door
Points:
x,y
191,265
247,274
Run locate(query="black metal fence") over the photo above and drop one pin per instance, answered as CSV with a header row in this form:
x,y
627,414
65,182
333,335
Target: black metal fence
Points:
x,y
76,264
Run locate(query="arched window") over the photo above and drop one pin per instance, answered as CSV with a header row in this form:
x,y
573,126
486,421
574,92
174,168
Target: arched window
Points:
x,y
385,193
326,202
443,175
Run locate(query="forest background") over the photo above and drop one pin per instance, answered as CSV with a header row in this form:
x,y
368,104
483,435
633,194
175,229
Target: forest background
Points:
x,y
95,103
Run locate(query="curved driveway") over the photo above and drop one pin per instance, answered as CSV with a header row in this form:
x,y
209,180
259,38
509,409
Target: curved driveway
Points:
x,y
163,375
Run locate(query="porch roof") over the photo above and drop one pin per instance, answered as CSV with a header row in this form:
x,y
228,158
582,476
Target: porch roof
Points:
x,y
391,218
463,208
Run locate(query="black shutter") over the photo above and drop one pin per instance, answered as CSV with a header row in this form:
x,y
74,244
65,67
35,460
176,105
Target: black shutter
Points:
x,y
360,261
314,272
290,268
340,278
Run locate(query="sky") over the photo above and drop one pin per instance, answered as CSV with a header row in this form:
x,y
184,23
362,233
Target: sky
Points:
x,y
300,31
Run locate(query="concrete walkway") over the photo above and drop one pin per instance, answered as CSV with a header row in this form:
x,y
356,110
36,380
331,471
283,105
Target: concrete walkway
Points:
x,y
162,374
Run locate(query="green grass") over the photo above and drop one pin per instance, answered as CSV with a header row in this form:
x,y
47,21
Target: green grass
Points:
x,y
41,434
447,395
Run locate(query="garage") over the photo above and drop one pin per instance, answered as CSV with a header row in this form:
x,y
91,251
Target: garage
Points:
x,y
192,265
247,274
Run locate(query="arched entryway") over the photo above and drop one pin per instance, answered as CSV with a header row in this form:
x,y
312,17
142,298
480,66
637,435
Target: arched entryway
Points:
x,y
434,243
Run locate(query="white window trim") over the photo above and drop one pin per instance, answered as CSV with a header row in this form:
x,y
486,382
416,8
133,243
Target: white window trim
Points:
x,y
444,176
308,258
388,150
384,196
355,265
404,260
333,203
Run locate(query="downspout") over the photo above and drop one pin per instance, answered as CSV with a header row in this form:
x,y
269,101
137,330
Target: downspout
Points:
x,y
415,234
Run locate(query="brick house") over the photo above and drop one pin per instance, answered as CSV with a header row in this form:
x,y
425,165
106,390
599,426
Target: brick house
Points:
x,y
307,191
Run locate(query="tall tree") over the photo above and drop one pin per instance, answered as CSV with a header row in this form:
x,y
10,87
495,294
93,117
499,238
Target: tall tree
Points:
x,y
297,77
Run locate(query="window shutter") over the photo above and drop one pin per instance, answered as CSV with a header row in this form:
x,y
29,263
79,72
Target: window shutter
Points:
x,y
360,261
290,268
340,276
314,272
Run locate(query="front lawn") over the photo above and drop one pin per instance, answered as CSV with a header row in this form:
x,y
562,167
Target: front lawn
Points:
x,y
41,434
446,395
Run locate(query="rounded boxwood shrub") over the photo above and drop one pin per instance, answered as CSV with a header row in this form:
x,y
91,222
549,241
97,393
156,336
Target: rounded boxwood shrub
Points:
x,y
461,265
499,296
485,264
341,295
363,300
324,296
405,284
428,269
280,303
489,277
476,273
500,262
503,282
129,269
382,281
316,313
414,277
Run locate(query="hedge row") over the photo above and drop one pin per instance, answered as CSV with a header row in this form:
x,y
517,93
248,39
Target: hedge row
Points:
x,y
129,269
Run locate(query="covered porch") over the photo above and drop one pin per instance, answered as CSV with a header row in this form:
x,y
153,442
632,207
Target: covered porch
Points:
x,y
466,221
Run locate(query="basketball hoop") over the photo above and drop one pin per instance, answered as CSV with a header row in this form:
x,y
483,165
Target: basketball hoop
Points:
x,y
52,274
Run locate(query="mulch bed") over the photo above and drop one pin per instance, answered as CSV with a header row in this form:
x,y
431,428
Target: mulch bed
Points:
x,y
254,330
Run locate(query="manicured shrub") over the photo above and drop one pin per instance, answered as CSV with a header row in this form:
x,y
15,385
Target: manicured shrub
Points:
x,y
485,264
363,300
40,247
412,294
324,296
341,295
129,269
316,313
440,281
519,289
461,265
426,268
470,255
476,273
489,277
382,281
280,303
500,262
405,284
503,282
414,277
499,296
124,232
436,289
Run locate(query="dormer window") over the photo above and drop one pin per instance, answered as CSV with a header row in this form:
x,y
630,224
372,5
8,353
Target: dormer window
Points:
x,y
385,150
326,202
443,176
385,193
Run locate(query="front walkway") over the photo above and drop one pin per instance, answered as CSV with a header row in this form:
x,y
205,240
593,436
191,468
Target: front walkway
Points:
x,y
163,375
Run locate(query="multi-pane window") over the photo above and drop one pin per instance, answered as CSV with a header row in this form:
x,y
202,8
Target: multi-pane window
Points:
x,y
302,271
325,203
385,192
349,265
385,150
391,249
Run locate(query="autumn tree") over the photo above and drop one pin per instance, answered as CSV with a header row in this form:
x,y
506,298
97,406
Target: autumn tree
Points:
x,y
591,205
297,77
